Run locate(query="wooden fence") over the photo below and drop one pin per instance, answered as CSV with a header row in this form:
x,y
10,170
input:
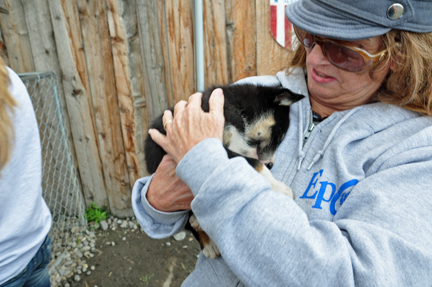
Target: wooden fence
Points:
x,y
122,62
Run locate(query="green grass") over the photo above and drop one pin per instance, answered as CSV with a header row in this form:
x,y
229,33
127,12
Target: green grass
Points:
x,y
95,213
145,279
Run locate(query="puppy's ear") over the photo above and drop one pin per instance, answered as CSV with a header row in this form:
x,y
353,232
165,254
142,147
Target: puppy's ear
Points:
x,y
287,98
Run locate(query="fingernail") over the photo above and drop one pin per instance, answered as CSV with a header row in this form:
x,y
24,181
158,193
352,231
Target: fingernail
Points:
x,y
149,131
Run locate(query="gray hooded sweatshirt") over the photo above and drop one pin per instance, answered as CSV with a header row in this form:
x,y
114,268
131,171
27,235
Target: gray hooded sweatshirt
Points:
x,y
362,213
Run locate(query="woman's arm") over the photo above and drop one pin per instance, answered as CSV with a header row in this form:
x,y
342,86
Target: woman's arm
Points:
x,y
154,215
381,236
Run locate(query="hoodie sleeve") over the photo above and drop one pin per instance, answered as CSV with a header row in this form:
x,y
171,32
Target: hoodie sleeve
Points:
x,y
157,224
381,236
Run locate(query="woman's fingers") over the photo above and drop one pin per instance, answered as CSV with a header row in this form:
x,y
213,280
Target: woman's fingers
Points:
x,y
179,107
191,125
216,102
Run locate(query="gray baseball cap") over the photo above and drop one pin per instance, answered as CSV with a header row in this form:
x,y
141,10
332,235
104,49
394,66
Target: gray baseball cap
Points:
x,y
360,19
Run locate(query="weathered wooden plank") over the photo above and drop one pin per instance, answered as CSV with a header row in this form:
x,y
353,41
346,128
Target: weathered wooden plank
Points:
x,y
271,57
241,44
152,56
43,47
132,59
16,37
181,65
68,40
163,37
42,43
124,87
3,51
102,80
215,53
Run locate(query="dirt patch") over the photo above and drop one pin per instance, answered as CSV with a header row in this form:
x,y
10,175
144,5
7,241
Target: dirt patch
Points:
x,y
137,260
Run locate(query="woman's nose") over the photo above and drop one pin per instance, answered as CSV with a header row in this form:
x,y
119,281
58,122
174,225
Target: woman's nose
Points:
x,y
316,56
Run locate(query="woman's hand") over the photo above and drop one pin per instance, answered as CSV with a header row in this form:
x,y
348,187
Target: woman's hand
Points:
x,y
191,125
166,191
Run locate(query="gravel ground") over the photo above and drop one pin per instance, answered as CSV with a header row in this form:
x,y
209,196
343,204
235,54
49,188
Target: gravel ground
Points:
x,y
117,252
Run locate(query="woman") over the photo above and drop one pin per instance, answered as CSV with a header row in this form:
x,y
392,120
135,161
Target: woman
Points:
x,y
357,155
25,219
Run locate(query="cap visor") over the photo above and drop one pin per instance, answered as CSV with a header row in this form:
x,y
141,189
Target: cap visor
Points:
x,y
318,20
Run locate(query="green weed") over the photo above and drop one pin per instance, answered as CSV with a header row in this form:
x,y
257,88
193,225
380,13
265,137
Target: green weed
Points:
x,y
146,278
95,213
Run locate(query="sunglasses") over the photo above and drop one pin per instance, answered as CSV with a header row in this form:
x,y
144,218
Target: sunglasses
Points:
x,y
345,57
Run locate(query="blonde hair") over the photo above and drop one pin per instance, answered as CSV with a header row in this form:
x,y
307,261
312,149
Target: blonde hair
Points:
x,y
409,82
7,104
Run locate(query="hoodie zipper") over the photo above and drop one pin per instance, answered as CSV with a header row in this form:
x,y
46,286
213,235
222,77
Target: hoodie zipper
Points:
x,y
310,128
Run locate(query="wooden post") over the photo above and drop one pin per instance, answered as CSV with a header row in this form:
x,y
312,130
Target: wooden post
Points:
x,y
215,53
130,70
180,43
14,29
68,40
271,57
153,57
241,43
105,100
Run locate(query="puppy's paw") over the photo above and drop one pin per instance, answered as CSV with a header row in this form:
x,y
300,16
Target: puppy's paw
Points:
x,y
277,185
194,223
211,250
281,187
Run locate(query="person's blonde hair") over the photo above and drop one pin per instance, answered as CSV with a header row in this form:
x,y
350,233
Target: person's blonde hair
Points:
x,y
7,104
409,82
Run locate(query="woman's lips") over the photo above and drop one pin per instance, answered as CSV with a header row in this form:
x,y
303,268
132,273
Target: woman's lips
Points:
x,y
320,77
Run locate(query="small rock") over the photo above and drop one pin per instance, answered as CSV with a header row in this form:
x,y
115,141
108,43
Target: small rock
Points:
x,y
92,267
78,254
113,243
168,244
124,238
180,236
104,225
77,278
124,224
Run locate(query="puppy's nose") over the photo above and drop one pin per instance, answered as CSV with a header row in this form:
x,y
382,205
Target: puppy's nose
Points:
x,y
269,165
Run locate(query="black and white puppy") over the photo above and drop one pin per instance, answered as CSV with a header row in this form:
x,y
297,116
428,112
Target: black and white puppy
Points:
x,y
256,121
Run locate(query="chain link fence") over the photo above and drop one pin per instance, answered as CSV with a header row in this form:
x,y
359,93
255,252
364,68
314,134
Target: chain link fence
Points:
x,y
60,182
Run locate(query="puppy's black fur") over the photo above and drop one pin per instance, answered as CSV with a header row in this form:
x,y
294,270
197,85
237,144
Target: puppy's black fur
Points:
x,y
256,121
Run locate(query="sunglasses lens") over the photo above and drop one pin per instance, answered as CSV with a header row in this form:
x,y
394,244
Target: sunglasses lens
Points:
x,y
338,55
304,37
343,57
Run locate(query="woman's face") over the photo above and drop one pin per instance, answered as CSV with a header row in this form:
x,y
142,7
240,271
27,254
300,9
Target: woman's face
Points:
x,y
332,89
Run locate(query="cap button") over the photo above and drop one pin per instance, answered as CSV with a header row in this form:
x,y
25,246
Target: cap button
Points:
x,y
395,11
